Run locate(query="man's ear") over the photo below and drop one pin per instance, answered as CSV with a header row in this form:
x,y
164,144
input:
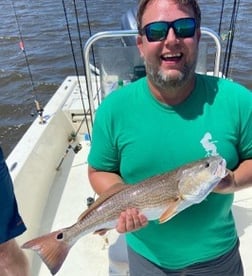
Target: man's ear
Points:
x,y
198,33
139,43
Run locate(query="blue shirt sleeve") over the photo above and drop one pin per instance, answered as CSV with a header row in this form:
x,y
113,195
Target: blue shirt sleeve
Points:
x,y
11,222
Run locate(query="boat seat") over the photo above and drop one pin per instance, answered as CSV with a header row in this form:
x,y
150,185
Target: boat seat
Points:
x,y
122,64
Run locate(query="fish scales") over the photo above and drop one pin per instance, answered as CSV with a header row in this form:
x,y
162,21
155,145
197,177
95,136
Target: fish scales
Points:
x,y
146,193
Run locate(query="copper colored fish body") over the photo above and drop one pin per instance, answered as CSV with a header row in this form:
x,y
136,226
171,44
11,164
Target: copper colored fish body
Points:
x,y
159,197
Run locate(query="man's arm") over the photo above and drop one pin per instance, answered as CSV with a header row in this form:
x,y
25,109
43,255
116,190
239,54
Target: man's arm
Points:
x,y
237,180
102,181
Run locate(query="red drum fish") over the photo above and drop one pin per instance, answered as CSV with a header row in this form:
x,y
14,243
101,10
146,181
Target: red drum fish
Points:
x,y
159,197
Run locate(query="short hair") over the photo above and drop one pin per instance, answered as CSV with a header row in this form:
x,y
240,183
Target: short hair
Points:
x,y
191,3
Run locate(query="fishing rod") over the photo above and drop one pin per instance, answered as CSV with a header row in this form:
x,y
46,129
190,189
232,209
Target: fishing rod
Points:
x,y
73,135
39,108
229,36
85,119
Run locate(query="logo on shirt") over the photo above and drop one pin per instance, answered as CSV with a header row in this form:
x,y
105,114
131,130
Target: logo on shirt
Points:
x,y
209,145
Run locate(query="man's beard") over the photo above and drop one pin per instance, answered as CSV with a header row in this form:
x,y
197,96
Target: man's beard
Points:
x,y
165,82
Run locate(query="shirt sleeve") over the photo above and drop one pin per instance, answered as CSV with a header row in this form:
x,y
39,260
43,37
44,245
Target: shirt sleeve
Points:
x,y
245,111
11,222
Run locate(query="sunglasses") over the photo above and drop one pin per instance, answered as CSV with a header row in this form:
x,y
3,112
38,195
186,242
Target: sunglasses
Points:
x,y
157,31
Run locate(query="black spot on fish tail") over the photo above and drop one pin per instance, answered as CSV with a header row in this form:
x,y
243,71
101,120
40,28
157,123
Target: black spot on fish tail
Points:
x,y
60,236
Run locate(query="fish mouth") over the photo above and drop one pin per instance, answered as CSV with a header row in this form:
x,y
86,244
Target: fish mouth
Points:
x,y
221,170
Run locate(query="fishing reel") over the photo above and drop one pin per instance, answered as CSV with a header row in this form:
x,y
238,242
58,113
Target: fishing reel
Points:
x,y
90,201
76,148
71,139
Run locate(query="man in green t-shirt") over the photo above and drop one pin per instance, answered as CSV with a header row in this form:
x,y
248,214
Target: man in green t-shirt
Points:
x,y
162,121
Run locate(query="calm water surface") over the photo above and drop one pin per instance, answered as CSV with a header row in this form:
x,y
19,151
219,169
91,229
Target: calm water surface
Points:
x,y
43,28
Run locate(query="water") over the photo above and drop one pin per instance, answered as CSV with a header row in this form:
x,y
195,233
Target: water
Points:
x,y
44,30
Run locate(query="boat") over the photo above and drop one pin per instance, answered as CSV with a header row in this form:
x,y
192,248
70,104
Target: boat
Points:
x,y
49,164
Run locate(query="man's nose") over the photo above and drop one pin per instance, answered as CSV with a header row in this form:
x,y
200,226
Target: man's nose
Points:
x,y
171,36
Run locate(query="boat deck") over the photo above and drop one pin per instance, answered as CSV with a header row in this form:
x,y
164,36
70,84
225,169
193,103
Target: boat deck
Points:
x,y
242,209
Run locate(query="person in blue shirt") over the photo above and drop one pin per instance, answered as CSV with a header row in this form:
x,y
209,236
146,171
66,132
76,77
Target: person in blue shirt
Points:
x,y
13,261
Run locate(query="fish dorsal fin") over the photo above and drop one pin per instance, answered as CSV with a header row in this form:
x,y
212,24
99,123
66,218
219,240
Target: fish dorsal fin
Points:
x,y
116,188
170,211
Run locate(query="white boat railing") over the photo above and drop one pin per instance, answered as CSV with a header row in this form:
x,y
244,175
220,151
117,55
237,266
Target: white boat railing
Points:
x,y
127,33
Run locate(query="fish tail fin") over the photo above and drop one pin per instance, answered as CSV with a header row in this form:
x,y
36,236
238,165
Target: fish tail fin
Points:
x,y
52,248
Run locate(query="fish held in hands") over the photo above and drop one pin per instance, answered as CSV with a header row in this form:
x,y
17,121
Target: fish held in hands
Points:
x,y
159,197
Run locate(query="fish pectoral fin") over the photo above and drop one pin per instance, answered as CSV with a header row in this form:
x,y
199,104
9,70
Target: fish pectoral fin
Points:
x,y
170,211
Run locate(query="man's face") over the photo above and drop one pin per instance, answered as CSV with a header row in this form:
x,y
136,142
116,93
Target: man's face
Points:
x,y
172,61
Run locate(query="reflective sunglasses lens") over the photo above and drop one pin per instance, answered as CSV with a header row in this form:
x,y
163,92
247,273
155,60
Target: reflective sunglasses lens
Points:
x,y
156,31
184,27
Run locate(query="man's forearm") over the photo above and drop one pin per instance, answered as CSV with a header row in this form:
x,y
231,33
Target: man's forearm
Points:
x,y
102,181
243,175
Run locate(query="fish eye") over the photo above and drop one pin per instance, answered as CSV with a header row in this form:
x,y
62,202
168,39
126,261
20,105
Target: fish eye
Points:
x,y
60,236
207,164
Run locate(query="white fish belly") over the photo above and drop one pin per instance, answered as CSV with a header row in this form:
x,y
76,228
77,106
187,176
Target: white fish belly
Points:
x,y
154,213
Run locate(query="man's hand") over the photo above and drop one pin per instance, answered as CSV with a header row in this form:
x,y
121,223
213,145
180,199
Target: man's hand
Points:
x,y
131,220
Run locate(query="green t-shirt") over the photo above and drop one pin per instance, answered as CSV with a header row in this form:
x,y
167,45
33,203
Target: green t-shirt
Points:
x,y
137,136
